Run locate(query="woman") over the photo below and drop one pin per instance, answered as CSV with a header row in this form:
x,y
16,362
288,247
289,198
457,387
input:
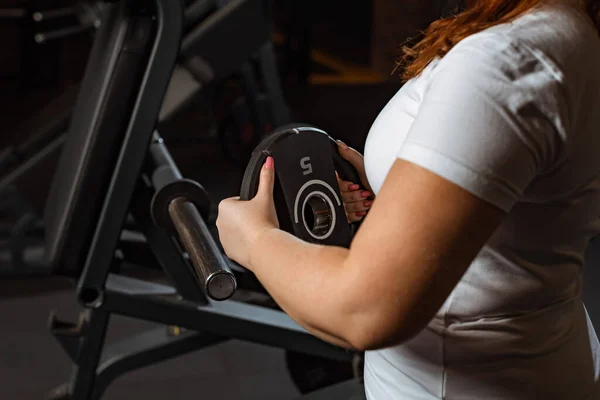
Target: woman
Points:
x,y
464,281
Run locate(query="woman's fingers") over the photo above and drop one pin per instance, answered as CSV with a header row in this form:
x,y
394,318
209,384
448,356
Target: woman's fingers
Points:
x,y
351,191
346,186
357,161
352,156
356,195
357,210
356,202
356,217
353,218
358,206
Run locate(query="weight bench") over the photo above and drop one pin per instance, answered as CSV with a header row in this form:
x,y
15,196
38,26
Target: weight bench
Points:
x,y
114,164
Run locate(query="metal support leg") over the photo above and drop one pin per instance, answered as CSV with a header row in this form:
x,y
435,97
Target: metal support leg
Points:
x,y
84,373
146,349
94,374
229,319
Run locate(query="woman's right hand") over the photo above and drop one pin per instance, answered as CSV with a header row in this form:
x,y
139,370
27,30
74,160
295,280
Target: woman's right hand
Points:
x,y
357,201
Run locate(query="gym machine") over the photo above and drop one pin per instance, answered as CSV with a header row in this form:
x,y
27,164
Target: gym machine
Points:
x,y
209,27
39,65
36,66
22,230
103,176
87,16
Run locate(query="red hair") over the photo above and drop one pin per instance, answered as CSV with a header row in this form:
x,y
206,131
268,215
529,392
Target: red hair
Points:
x,y
442,35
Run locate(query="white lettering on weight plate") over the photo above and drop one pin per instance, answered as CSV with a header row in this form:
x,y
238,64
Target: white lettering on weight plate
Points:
x,y
306,166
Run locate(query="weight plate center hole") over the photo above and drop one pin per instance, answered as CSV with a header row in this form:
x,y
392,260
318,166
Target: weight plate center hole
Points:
x,y
318,215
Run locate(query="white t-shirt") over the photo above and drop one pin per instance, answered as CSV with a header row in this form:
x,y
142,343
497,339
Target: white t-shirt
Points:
x,y
512,115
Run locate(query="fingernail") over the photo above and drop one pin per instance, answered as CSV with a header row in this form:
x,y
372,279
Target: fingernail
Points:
x,y
365,194
342,144
368,203
361,213
354,187
269,163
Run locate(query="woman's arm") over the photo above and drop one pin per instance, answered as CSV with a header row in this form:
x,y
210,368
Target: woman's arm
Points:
x,y
483,132
417,241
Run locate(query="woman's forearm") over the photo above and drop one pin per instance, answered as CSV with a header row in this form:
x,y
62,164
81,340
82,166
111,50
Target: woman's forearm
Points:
x,y
309,282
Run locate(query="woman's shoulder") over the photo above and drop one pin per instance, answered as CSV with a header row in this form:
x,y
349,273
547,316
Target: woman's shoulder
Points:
x,y
556,39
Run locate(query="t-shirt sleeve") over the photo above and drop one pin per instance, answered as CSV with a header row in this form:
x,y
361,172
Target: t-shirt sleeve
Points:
x,y
491,120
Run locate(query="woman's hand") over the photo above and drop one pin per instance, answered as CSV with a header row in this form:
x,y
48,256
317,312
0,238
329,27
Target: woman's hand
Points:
x,y
241,223
356,201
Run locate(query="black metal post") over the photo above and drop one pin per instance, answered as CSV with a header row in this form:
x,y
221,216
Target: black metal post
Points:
x,y
84,373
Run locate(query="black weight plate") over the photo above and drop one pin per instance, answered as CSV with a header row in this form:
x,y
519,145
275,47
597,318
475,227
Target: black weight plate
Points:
x,y
250,180
307,197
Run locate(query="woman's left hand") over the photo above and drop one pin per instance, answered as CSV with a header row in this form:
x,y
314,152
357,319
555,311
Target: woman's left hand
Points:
x,y
241,223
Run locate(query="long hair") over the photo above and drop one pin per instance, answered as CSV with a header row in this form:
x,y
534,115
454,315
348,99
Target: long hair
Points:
x,y
477,15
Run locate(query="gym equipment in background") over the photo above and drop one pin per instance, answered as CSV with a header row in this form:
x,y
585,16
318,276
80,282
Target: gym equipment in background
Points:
x,y
39,65
241,127
83,16
307,196
114,164
250,62
22,230
202,68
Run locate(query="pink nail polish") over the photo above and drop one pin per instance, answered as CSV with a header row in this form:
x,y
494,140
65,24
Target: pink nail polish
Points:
x,y
269,163
361,214
365,194
354,187
368,203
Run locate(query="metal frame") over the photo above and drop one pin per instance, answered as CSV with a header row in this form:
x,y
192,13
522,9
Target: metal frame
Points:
x,y
128,168
229,319
203,325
